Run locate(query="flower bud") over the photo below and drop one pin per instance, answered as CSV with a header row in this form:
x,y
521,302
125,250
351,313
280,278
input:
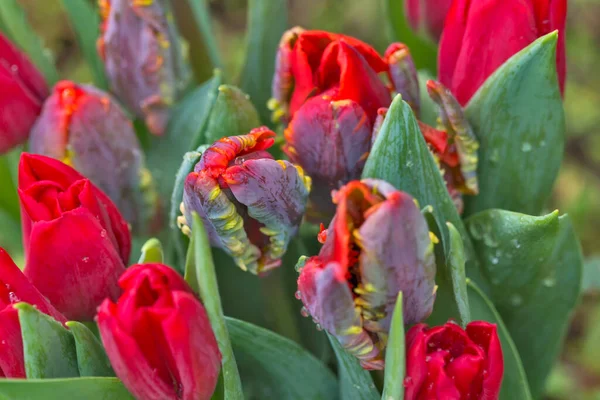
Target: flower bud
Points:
x,y
403,75
158,336
76,242
142,56
84,127
23,92
14,288
447,362
251,204
377,245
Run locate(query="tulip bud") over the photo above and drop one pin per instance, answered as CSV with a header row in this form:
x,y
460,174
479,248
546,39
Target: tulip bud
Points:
x,y
476,34
251,204
76,242
23,92
447,362
377,245
403,75
14,288
158,336
143,59
85,128
427,17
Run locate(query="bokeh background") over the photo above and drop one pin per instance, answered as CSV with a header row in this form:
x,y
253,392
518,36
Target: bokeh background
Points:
x,y
577,190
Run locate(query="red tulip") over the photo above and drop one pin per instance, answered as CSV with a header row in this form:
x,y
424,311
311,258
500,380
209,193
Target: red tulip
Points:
x,y
23,92
87,129
479,36
14,288
158,337
76,242
447,362
377,245
427,16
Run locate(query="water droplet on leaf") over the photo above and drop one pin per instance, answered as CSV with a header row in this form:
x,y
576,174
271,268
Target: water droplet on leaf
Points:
x,y
526,147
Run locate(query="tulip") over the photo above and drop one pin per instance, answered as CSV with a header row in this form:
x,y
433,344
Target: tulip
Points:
x,y
143,59
23,92
466,61
448,362
377,245
85,127
76,242
15,288
327,87
158,336
427,16
251,205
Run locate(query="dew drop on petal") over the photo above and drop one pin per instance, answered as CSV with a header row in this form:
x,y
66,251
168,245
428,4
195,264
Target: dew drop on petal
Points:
x,y
408,381
85,259
13,298
298,295
304,312
103,233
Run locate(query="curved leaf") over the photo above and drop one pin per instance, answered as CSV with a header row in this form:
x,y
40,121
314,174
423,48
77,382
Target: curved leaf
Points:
x,y
395,357
91,357
152,252
519,120
60,389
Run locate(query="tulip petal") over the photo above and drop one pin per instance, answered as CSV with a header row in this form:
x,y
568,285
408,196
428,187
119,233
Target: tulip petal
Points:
x,y
485,335
12,364
403,75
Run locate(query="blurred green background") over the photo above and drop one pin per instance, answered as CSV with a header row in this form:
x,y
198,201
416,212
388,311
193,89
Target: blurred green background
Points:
x,y
577,191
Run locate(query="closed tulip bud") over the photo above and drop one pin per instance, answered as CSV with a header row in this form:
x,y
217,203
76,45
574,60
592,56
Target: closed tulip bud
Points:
x,y
251,204
14,288
426,17
84,127
23,92
158,336
377,245
448,362
403,75
76,242
142,57
507,26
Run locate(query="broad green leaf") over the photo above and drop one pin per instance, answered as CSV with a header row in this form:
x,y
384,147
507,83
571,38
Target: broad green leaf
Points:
x,y
184,133
514,383
274,367
201,276
355,382
18,29
152,252
86,23
48,346
395,359
97,388
591,275
519,120
91,357
534,265
267,20
401,157
232,114
456,263
423,52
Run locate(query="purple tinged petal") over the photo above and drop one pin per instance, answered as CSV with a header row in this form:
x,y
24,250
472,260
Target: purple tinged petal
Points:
x,y
403,74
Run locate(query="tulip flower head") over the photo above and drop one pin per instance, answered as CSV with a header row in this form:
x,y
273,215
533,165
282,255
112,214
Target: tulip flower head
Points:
x,y
251,204
377,245
448,362
158,336
23,92
85,127
465,61
15,288
142,57
76,242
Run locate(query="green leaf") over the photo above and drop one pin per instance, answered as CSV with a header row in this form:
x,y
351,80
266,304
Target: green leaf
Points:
x,y
591,275
61,389
85,20
514,383
395,359
21,32
277,368
91,357
9,200
423,52
152,252
429,108
267,20
519,120
401,157
534,265
456,263
232,114
48,346
201,276
355,382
